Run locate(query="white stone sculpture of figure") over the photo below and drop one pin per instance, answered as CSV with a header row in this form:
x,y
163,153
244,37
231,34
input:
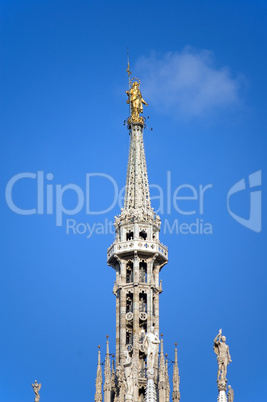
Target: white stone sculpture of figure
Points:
x,y
151,342
128,374
119,375
36,388
223,355
230,394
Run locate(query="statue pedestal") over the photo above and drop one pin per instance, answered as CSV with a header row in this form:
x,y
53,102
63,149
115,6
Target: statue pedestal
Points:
x,y
151,395
128,398
222,397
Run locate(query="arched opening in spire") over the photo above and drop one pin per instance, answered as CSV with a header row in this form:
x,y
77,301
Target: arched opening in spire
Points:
x,y
129,235
129,339
143,303
143,271
142,391
129,303
143,234
129,272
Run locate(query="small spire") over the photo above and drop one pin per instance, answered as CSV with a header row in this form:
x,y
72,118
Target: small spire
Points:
x,y
113,376
107,373
176,378
162,384
167,394
98,382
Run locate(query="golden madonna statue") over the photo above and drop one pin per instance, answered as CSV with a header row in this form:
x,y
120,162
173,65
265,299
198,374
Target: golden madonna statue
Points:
x,y
136,102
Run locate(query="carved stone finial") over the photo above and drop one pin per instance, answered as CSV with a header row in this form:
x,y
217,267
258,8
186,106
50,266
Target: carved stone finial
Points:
x,y
36,389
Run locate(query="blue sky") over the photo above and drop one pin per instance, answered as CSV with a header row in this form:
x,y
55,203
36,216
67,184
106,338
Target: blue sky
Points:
x,y
203,71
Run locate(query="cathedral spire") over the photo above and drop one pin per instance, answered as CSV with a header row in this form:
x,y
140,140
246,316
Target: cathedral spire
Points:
x,y
137,256
107,374
98,382
176,379
137,205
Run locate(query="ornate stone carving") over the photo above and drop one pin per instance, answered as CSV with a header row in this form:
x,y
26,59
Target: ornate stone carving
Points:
x,y
129,316
36,389
230,394
115,288
129,347
222,385
143,316
137,215
151,395
119,375
128,376
120,384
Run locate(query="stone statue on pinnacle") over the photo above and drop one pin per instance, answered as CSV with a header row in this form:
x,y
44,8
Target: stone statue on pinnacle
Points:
x,y
223,358
151,342
36,388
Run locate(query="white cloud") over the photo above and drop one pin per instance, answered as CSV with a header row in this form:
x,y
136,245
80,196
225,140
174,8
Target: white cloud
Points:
x,y
187,83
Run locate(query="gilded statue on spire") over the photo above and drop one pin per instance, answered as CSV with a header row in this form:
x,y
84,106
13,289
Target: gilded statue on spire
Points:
x,y
136,102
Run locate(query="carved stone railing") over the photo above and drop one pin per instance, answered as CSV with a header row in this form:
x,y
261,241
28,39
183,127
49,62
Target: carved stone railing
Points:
x,y
142,245
110,251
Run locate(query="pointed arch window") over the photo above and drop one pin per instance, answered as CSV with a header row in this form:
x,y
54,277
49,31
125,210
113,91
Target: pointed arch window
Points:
x,y
143,271
129,272
129,303
129,235
143,235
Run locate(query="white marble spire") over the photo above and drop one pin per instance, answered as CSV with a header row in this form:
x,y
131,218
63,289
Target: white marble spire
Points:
x,y
137,194
176,379
107,374
98,382
167,392
137,256
162,375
